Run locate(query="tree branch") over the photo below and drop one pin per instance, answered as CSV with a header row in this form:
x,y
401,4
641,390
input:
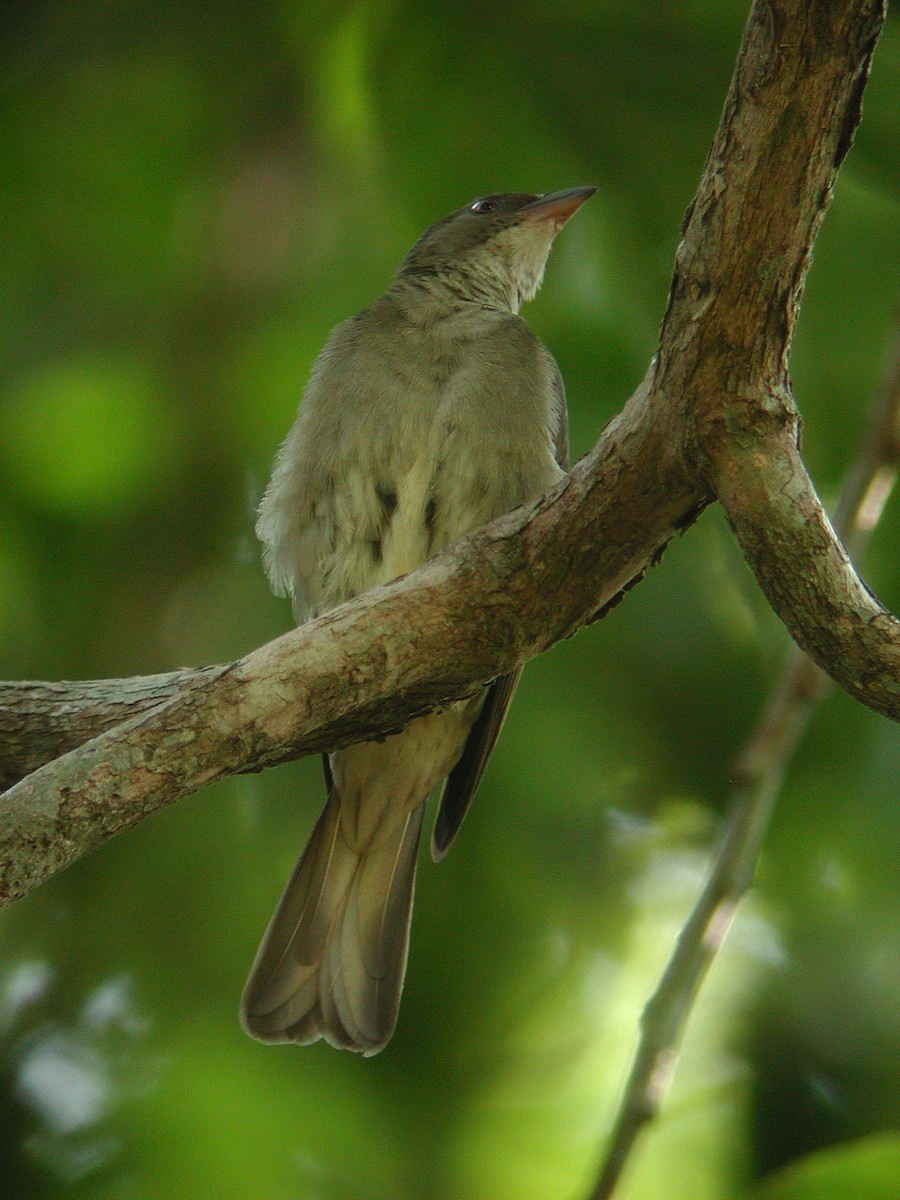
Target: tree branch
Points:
x,y
41,720
713,416
792,107
759,772
493,600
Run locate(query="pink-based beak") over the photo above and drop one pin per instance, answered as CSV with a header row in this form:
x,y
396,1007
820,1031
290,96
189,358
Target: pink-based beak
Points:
x,y
558,206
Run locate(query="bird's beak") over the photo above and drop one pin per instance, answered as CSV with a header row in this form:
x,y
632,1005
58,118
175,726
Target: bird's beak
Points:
x,y
557,206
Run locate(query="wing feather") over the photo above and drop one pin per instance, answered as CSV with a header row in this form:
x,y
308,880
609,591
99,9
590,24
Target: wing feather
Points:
x,y
466,775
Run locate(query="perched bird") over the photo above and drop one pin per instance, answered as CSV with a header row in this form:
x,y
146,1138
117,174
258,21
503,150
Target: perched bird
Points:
x,y
430,413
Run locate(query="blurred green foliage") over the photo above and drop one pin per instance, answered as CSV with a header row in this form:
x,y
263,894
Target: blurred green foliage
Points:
x,y
190,197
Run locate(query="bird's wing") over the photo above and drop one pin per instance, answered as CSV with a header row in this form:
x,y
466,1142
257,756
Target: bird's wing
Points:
x,y
466,775
560,428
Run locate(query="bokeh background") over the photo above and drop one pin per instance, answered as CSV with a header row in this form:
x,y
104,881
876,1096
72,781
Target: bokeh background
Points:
x,y
192,195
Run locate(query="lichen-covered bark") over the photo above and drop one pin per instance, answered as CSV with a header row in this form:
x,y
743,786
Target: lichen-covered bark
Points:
x,y
714,418
41,720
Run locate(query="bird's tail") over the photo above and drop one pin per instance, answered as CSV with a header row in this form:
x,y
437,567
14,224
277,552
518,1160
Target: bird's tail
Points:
x,y
332,961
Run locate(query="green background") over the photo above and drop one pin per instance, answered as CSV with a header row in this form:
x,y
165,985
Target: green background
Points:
x,y
191,195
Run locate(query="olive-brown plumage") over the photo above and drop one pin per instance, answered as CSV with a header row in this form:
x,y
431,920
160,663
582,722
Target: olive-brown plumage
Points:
x,y
428,414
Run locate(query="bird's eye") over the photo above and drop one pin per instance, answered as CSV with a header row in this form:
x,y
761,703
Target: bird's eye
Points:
x,y
483,206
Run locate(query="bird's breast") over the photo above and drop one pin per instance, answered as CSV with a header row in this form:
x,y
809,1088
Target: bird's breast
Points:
x,y
410,435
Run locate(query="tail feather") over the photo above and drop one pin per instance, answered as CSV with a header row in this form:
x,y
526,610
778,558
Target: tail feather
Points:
x,y
332,961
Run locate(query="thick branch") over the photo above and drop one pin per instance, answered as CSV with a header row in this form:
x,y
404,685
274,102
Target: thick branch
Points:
x,y
41,721
495,599
792,108
806,574
714,407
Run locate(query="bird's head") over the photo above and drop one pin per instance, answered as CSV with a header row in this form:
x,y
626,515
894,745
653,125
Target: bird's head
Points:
x,y
495,249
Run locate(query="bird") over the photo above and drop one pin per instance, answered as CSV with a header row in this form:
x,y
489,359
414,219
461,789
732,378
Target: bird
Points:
x,y
427,415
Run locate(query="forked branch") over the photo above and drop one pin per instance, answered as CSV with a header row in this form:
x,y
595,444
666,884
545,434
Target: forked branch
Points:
x,y
713,418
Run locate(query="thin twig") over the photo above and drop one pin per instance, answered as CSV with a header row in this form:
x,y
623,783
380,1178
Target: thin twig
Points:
x,y
758,775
